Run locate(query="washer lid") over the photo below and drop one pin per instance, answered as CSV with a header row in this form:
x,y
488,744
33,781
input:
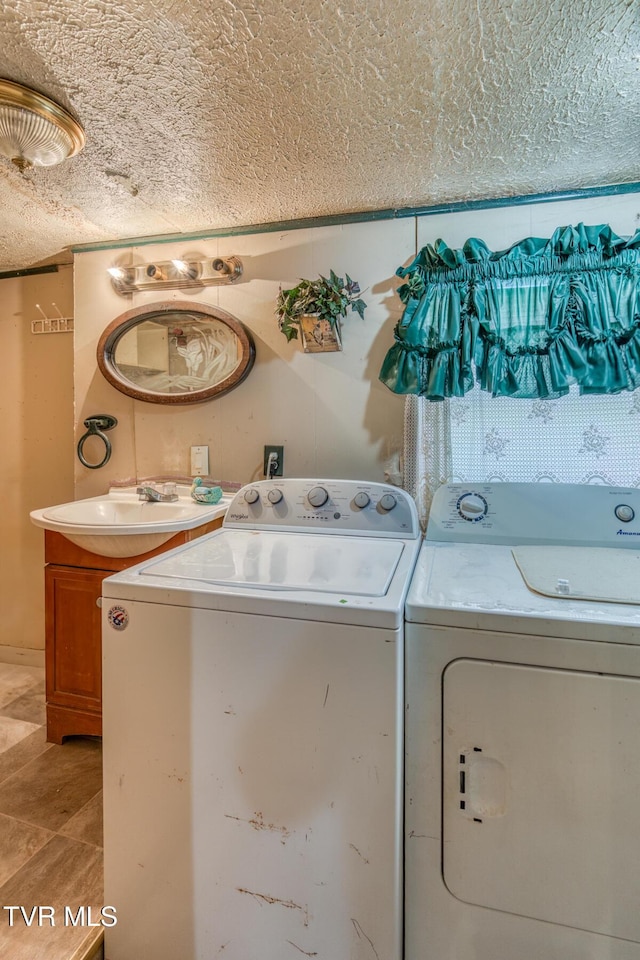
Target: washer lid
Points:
x,y
286,561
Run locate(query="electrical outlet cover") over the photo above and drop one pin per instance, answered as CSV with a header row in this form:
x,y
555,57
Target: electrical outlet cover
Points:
x,y
279,451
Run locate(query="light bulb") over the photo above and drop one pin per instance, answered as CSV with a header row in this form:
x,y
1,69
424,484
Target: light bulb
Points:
x,y
189,271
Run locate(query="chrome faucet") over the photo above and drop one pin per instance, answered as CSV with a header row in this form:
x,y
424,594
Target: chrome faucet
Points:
x,y
153,495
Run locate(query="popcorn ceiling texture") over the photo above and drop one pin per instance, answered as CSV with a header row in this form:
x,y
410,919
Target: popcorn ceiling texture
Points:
x,y
204,115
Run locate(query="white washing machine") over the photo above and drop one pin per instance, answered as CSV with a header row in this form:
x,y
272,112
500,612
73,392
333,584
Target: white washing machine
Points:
x,y
253,722
523,726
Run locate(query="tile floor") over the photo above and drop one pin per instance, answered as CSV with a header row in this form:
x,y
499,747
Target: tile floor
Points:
x,y
50,828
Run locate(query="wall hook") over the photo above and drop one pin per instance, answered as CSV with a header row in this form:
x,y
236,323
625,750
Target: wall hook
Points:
x,y
96,425
48,324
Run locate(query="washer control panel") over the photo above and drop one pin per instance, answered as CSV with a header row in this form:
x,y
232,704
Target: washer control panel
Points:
x,y
330,506
545,513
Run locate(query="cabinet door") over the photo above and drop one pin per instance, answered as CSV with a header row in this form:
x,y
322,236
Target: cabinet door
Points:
x,y
73,648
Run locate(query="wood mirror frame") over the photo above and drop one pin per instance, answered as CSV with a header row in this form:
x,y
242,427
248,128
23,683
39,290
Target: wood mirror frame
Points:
x,y
183,353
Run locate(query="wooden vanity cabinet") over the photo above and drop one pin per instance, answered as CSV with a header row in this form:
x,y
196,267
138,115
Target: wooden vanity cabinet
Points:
x,y
73,651
73,630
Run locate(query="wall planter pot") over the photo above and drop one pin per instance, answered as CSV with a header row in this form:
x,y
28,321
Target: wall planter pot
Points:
x,y
313,309
319,335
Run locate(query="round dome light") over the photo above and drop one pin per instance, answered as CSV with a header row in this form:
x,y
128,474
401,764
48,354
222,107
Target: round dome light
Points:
x,y
35,131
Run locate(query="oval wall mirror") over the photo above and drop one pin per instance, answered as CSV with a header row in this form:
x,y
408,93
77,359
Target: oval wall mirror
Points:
x,y
176,352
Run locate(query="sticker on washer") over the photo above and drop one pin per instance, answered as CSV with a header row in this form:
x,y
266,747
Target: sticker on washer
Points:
x,y
118,618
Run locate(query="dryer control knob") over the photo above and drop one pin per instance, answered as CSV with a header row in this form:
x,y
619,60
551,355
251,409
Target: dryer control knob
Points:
x,y
362,500
252,495
472,506
624,512
275,495
387,502
317,496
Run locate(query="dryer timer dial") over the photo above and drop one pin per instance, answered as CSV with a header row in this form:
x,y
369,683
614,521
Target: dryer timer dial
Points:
x,y
471,506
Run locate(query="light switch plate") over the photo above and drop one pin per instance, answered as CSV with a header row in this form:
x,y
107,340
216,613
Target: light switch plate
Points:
x,y
199,461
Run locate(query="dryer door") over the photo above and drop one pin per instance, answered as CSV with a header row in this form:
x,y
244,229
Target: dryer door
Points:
x,y
541,794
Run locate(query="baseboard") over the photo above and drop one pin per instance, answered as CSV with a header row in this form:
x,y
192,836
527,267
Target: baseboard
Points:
x,y
26,656
91,949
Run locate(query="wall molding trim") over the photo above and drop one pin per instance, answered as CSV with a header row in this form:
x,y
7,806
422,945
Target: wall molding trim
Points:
x,y
24,656
458,206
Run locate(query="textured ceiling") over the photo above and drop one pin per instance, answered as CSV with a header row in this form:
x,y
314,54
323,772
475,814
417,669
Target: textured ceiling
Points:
x,y
204,115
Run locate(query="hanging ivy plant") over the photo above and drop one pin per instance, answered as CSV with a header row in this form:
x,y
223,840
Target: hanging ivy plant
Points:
x,y
328,298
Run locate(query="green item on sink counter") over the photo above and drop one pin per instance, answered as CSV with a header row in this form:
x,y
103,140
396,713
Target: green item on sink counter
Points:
x,y
202,494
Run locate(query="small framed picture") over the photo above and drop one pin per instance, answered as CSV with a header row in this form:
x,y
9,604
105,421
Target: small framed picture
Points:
x,y
319,335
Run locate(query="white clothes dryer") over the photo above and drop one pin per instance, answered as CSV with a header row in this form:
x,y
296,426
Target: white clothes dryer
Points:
x,y
523,726
253,720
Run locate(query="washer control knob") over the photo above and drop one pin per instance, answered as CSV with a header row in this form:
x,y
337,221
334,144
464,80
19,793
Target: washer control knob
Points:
x,y
624,512
252,495
317,496
362,500
471,506
387,502
274,496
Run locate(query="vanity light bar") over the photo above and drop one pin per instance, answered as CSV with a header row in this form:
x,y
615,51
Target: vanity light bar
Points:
x,y
172,274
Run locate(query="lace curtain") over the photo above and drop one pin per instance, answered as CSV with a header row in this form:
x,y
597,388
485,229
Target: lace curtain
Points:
x,y
476,438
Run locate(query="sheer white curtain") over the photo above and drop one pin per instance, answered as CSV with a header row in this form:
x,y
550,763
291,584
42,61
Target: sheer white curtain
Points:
x,y
573,439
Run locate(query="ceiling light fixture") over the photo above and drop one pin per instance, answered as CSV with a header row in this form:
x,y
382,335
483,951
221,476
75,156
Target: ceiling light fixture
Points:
x,y
166,274
35,131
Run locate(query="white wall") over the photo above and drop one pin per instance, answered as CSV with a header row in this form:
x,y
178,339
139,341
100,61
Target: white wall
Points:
x,y
330,411
36,439
500,227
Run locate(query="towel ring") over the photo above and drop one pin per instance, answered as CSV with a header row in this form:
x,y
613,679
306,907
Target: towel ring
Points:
x,y
96,425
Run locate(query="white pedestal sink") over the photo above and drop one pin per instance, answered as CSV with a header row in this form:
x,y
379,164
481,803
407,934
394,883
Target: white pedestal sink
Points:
x,y
118,524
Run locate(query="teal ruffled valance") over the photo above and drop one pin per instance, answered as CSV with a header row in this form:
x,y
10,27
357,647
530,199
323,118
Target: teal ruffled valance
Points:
x,y
524,322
